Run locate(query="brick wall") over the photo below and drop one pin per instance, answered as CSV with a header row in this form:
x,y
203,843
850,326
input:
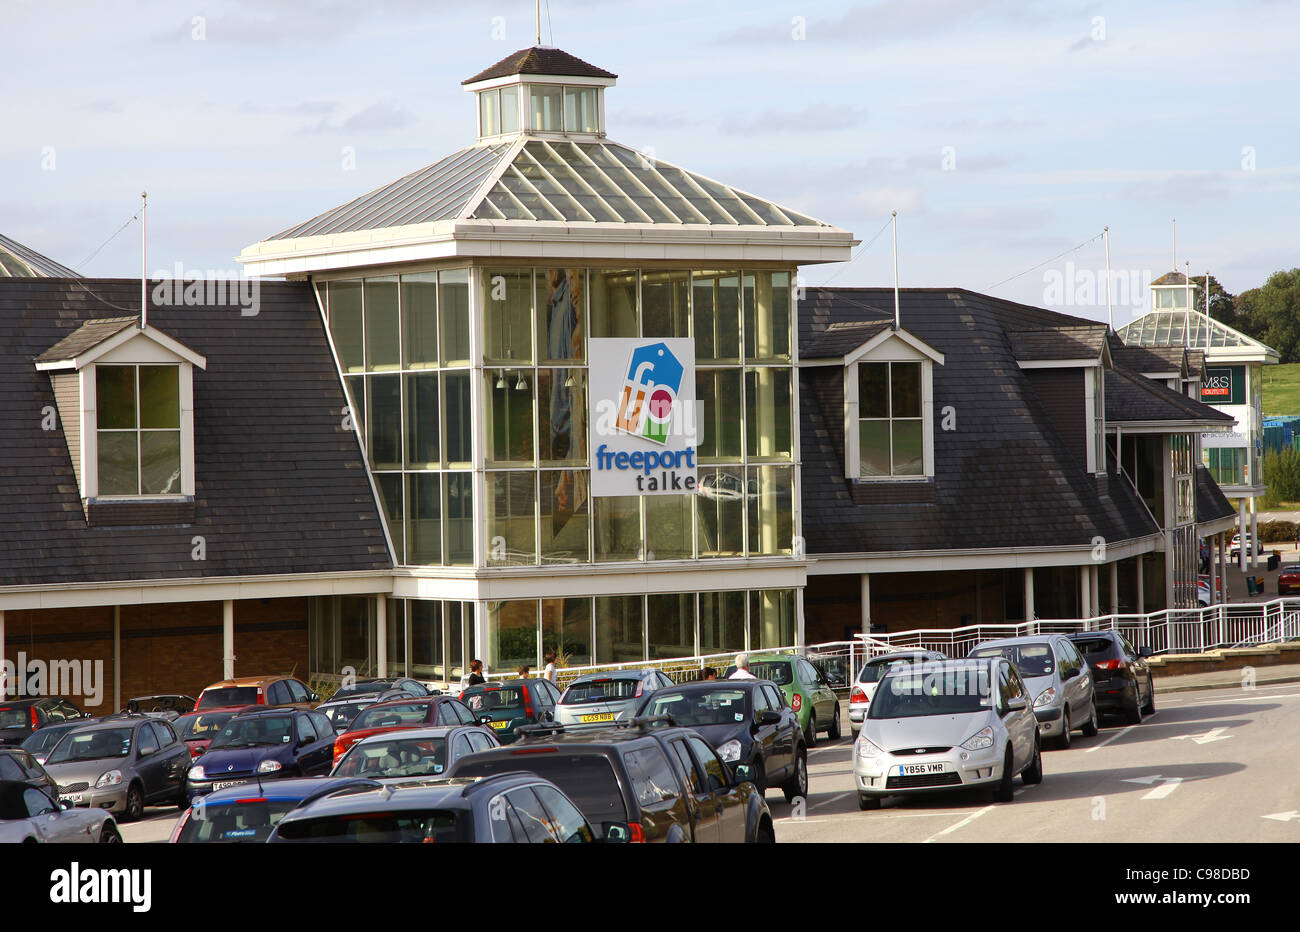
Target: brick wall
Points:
x,y
901,602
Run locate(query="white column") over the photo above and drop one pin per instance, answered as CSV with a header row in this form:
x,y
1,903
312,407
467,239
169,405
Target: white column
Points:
x,y
1094,576
3,685
1255,546
1085,591
1241,532
1029,593
1223,567
865,588
1141,593
381,636
228,639
117,657
1114,588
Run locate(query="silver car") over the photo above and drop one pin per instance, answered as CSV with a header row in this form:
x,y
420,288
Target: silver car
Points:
x,y
413,753
121,764
1058,678
869,677
30,814
945,725
605,698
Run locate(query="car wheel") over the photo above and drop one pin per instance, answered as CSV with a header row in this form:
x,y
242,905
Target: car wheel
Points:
x,y
1090,729
810,733
765,835
797,785
1134,712
134,804
1006,791
1033,774
1063,742
109,835
1150,707
834,732
868,803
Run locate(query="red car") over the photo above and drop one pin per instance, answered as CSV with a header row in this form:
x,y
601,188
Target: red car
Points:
x,y
403,713
1288,580
197,729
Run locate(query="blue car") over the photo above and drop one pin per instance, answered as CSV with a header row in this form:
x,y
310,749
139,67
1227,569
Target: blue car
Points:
x,y
249,812
267,744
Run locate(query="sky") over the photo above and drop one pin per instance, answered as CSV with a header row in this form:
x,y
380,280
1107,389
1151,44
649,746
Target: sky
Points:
x,y
1004,132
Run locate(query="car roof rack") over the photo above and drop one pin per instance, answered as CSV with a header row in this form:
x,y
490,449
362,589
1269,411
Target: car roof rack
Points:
x,y
549,728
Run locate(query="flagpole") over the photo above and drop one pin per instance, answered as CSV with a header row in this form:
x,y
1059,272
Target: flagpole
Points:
x,y
1105,235
897,314
1187,299
1207,310
144,262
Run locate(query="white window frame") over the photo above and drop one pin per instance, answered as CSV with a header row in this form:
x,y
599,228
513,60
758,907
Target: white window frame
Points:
x,y
889,346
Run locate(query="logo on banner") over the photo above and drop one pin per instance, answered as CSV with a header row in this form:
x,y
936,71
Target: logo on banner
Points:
x,y
645,407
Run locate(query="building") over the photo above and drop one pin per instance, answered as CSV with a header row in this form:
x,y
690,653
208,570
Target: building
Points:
x,y
19,261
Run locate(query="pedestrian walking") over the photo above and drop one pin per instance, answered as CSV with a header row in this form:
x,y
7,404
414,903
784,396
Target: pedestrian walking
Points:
x,y
550,672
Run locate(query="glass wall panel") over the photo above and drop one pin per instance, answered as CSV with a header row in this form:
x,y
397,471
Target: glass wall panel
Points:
x,y
458,630
356,642
512,523
384,442
720,511
459,510
580,109
510,109
716,307
613,304
427,656
718,391
489,112
771,618
390,495
509,420
508,316
420,321
562,417
566,629
669,532
722,622
670,625
770,494
457,420
666,304
769,413
356,385
345,324
424,514
620,629
617,528
561,315
546,101
395,624
383,342
422,420
514,633
767,316
453,316
565,516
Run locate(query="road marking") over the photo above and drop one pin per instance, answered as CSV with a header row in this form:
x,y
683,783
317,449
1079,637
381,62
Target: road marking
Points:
x,y
1242,699
964,822
1119,734
861,817
1291,816
1168,785
833,799
1214,734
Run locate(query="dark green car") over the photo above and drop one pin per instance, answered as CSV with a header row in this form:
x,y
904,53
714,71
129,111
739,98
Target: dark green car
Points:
x,y
511,704
806,690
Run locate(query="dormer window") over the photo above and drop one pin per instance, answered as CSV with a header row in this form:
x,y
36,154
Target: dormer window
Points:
x,y
1170,298
138,430
498,111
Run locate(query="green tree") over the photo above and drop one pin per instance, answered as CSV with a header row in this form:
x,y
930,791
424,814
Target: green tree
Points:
x,y
1271,313
1223,305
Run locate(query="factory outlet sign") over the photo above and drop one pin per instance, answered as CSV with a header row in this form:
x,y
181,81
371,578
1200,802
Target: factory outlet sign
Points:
x,y
1224,385
643,416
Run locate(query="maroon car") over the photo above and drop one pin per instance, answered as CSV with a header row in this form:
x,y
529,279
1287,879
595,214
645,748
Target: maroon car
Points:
x,y
197,729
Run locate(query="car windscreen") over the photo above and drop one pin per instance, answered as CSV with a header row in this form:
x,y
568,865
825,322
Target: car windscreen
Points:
x,y
235,821
587,779
720,706
392,716
1093,648
1030,659
342,715
91,745
918,691
602,690
875,669
778,671
20,717
382,827
201,727
41,741
492,700
254,731
395,757
222,697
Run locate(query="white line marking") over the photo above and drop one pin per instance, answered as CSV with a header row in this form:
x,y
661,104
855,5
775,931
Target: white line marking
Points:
x,y
1167,785
833,799
1119,734
1242,699
966,821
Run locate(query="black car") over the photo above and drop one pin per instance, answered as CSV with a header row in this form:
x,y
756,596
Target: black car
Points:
x,y
167,706
375,686
343,712
19,766
639,783
20,717
748,722
511,807
1120,675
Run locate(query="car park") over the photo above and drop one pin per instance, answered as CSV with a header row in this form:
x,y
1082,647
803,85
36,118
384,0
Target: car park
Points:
x,y
41,741
944,725
257,690
197,729
263,745
864,686
403,713
413,752
806,689
166,706
29,814
20,717
513,703
1059,679
376,685
597,699
514,807
1288,579
649,782
343,712
19,766
248,813
1120,674
121,765
747,722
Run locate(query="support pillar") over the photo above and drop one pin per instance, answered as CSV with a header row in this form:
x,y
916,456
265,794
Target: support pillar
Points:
x,y
865,587
1029,594
1141,587
117,657
1223,567
1114,588
381,636
1241,534
1085,591
228,639
1255,546
1094,576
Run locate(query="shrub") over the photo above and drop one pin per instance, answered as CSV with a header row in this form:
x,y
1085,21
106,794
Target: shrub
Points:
x,y
1278,532
1281,471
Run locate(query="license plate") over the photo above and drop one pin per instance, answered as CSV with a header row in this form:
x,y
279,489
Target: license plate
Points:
x,y
499,725
76,798
913,770
225,783
603,717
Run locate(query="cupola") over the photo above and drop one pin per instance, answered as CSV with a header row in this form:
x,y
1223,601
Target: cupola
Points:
x,y
541,91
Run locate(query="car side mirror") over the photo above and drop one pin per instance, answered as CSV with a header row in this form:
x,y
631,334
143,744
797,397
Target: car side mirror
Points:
x,y
743,773
1017,703
768,717
615,833
485,719
64,805
1146,652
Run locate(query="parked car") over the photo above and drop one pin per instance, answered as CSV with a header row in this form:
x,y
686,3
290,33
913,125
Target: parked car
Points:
x,y
41,741
376,685
597,699
266,744
864,687
513,807
343,712
167,706
403,713
640,783
511,704
19,766
197,729
1234,549
248,813
1288,579
747,722
121,765
20,717
1060,680
947,724
1121,677
30,814
257,690
413,752
806,690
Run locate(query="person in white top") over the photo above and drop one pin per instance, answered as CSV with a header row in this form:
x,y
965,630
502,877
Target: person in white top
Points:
x,y
550,673
742,669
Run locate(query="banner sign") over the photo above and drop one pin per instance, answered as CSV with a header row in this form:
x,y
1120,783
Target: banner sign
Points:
x,y
643,435
1224,385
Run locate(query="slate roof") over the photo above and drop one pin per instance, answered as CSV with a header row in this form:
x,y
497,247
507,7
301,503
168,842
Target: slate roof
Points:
x,y
280,487
19,261
840,339
1079,342
1171,278
88,335
1147,359
1003,477
540,60
1211,503
1131,398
